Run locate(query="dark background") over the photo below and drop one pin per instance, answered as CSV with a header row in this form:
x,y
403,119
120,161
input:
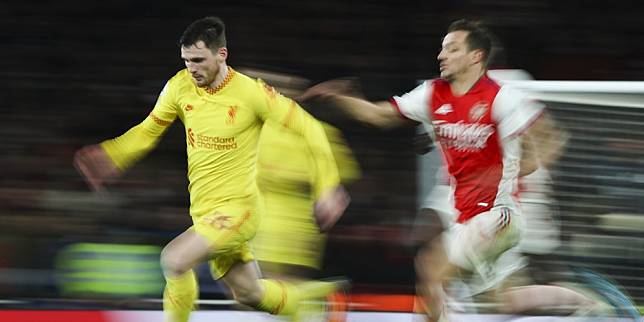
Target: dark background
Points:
x,y
77,72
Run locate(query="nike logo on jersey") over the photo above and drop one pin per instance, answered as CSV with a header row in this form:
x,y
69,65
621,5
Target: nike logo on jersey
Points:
x,y
444,109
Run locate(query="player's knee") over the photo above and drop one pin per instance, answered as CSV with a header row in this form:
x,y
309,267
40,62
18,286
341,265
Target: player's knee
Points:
x,y
172,264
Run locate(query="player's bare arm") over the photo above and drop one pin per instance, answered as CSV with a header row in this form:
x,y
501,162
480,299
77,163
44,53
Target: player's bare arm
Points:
x,y
379,114
529,159
548,139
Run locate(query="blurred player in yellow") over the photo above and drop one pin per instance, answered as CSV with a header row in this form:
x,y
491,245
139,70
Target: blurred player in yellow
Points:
x,y
289,244
223,112
288,234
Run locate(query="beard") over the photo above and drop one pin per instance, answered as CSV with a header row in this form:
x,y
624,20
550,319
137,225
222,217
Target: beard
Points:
x,y
449,77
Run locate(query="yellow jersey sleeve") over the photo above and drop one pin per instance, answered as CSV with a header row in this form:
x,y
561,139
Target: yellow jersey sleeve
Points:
x,y
287,113
134,144
348,166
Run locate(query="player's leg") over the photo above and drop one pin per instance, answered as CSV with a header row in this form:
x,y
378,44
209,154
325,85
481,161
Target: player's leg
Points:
x,y
270,295
243,281
433,269
550,298
220,234
474,247
228,232
289,244
491,235
537,289
431,263
177,260
539,292
296,274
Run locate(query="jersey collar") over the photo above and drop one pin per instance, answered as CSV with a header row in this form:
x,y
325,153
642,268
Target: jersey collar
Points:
x,y
231,73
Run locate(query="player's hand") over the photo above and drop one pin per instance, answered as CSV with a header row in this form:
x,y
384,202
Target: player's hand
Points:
x,y
96,166
328,89
330,207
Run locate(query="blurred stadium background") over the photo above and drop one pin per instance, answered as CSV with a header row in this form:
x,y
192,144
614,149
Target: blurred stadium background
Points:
x,y
76,72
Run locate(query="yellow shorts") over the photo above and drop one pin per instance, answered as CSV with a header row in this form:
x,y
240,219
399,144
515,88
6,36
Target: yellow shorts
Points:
x,y
228,230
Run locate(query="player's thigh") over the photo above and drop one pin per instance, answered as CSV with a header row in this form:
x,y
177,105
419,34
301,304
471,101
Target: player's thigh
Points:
x,y
431,261
226,229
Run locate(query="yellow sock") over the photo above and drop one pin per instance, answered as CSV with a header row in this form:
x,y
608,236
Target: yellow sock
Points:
x,y
179,297
279,297
317,290
283,298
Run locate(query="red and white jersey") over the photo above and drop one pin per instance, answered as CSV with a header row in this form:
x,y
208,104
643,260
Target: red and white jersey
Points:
x,y
478,135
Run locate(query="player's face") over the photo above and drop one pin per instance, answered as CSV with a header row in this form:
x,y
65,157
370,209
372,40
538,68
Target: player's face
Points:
x,y
202,63
455,58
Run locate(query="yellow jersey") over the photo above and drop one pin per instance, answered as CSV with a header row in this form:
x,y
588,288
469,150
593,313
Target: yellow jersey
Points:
x,y
288,233
222,127
293,175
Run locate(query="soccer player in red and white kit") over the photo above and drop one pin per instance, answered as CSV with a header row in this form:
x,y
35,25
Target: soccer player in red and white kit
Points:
x,y
482,128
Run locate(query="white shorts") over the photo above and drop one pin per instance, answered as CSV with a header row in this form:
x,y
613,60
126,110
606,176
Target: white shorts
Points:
x,y
477,244
441,199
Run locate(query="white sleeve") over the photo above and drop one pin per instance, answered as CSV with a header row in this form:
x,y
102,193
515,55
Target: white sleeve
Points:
x,y
414,105
514,112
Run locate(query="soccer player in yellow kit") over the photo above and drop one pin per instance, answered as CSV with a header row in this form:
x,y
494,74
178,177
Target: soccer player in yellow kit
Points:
x,y
289,244
223,112
289,241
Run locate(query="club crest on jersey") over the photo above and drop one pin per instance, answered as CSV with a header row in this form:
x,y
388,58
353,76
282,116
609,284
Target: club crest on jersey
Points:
x,y
232,114
189,108
478,110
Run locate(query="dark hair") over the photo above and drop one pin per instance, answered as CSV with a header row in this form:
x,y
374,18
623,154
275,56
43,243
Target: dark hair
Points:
x,y
210,30
478,36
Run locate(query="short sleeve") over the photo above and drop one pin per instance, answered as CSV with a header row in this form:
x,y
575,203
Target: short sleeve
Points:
x,y
414,105
514,111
